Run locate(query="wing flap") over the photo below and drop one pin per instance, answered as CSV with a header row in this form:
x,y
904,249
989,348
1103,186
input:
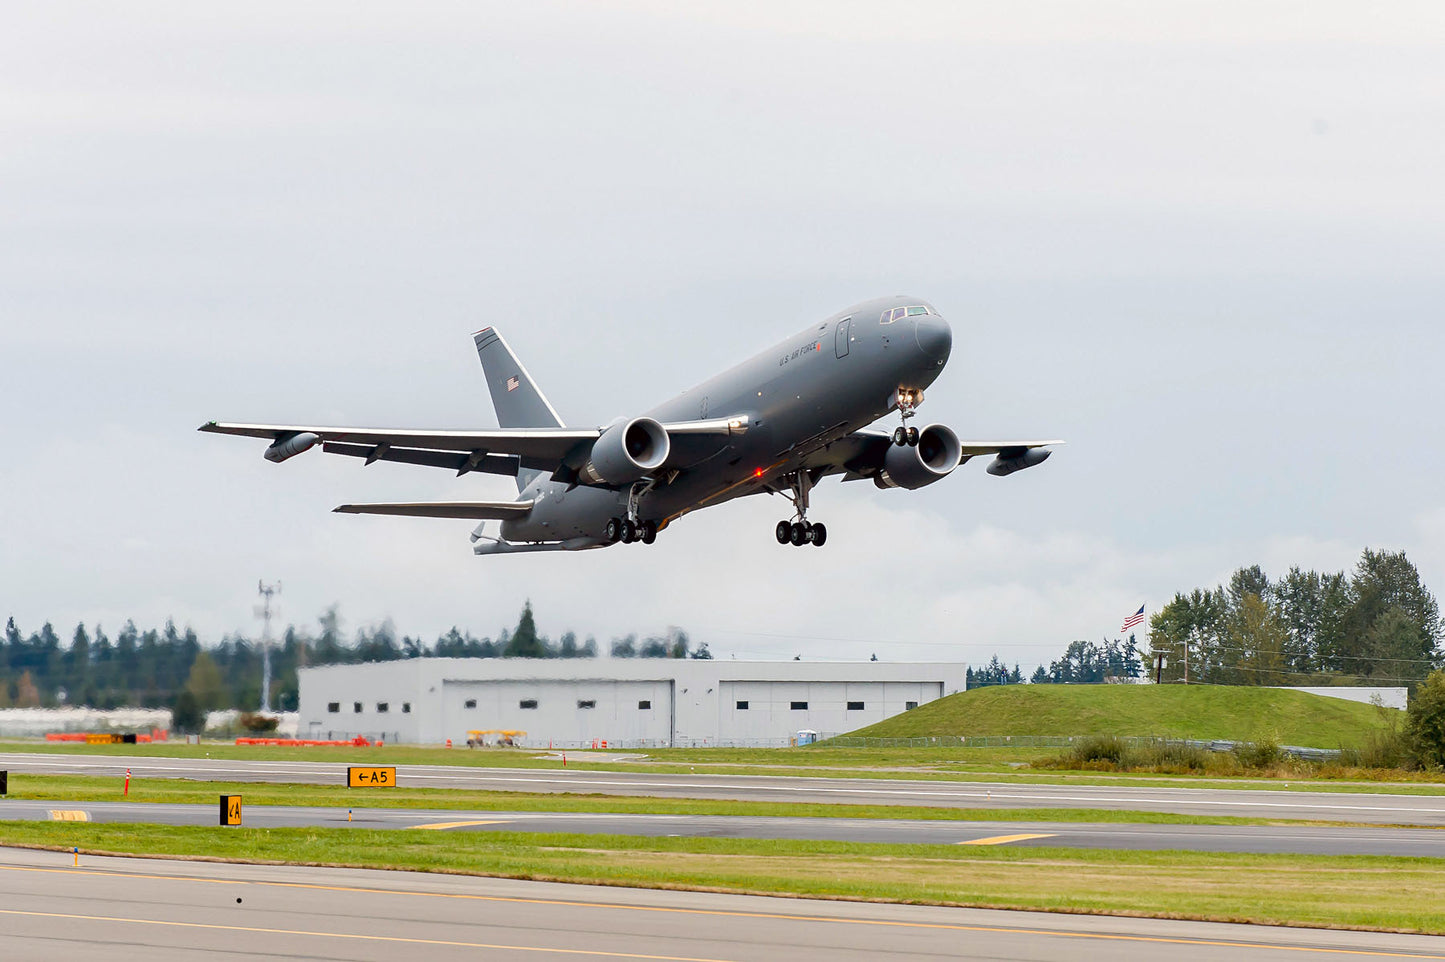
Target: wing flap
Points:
x,y
473,510
503,464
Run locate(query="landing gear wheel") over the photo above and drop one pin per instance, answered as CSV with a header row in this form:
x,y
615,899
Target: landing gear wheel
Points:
x,y
819,534
799,534
613,531
900,436
912,435
784,532
649,532
629,531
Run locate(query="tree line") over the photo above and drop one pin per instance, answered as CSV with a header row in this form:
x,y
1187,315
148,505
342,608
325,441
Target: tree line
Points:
x,y
1377,624
152,668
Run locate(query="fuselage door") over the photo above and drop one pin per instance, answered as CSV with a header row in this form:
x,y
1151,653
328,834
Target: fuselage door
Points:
x,y
840,338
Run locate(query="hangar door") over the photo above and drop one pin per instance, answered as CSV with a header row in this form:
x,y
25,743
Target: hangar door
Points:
x,y
562,712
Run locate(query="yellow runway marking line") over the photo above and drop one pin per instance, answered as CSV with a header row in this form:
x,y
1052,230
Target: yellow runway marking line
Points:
x,y
443,825
779,916
68,815
401,940
1005,839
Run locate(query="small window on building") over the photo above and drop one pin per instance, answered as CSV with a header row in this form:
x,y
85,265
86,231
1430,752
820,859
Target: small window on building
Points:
x,y
356,707
582,703
470,703
406,708
742,706
528,703
909,706
333,706
382,707
855,706
800,706
644,705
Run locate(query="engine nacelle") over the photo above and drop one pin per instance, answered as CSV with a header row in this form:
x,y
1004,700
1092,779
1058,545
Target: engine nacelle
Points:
x,y
933,459
626,452
291,445
1002,466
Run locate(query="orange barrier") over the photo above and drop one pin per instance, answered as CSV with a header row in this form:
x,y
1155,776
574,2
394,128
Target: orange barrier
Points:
x,y
105,738
360,741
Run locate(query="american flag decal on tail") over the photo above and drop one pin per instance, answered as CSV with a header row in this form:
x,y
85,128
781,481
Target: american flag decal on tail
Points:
x,y
513,383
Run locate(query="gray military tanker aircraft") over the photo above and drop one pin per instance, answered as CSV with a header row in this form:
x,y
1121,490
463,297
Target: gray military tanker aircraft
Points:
x,y
777,423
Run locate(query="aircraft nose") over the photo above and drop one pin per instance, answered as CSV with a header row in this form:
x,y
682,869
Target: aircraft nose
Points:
x,y
934,336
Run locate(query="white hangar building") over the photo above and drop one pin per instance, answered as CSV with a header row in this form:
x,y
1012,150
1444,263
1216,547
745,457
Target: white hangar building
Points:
x,y
629,703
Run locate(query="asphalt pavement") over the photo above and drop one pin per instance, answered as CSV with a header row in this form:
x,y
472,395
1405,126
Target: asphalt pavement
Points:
x,y
1396,809
1306,839
147,910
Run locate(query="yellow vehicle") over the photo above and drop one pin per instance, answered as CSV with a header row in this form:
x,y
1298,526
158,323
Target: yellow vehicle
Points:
x,y
506,737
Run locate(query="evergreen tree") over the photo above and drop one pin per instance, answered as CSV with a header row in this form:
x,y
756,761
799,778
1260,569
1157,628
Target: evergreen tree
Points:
x,y
525,643
205,685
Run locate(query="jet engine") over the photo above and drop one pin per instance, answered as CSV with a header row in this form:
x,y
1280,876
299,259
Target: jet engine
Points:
x,y
933,458
1009,461
626,452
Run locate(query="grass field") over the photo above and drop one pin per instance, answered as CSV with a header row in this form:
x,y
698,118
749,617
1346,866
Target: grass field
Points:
x,y
1400,894
82,789
1176,711
926,764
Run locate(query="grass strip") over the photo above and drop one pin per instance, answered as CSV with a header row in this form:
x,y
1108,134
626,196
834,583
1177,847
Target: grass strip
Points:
x,y
907,764
1365,892
80,789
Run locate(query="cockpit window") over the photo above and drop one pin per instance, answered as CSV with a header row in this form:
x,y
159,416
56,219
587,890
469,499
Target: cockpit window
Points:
x,y
888,317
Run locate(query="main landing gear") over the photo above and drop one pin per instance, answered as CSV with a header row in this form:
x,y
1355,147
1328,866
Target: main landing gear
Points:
x,y
800,530
631,528
627,531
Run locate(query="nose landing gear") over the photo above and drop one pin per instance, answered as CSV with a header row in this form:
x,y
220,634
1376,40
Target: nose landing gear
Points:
x,y
908,401
800,530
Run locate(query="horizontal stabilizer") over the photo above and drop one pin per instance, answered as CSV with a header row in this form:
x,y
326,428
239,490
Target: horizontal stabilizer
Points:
x,y
475,510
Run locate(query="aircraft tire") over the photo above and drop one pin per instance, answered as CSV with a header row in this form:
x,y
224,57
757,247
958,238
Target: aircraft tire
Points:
x,y
629,531
613,531
799,534
913,437
784,532
819,534
649,532
900,436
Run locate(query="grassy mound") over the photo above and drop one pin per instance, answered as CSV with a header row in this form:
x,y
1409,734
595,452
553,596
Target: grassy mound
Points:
x,y
1176,711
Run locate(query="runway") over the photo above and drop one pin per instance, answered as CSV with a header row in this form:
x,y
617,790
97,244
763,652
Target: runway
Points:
x,y
143,910
1303,839
1411,809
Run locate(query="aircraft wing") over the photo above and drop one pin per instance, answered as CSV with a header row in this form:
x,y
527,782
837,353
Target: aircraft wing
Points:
x,y
475,510
860,454
501,451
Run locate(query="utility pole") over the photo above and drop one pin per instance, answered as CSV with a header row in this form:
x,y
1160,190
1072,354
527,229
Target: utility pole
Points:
x,y
263,611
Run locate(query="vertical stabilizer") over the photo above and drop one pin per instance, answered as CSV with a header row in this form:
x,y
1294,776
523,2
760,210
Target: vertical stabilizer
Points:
x,y
515,396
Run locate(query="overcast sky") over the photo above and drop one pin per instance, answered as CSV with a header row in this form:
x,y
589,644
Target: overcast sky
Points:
x,y
1201,241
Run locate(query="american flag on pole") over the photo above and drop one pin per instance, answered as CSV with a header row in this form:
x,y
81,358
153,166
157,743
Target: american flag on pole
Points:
x,y
1133,620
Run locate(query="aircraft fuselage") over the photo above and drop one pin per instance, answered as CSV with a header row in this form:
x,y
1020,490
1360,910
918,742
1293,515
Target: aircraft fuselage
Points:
x,y
798,397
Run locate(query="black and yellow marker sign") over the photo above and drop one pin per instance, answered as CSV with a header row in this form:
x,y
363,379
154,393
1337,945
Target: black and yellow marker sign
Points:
x,y
371,777
230,809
